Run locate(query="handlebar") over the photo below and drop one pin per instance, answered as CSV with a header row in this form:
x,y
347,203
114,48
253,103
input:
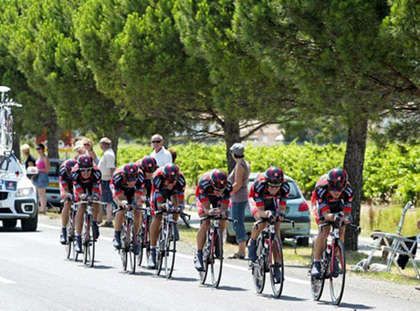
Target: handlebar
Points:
x,y
89,202
218,217
273,220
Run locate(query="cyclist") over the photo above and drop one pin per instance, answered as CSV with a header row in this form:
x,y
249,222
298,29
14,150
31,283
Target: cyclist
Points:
x,y
212,196
86,182
332,194
268,198
66,193
127,188
168,184
148,166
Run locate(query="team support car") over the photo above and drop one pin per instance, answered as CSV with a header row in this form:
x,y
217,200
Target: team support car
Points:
x,y
18,198
296,209
53,188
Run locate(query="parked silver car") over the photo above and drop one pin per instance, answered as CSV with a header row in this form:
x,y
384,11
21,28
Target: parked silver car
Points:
x,y
296,209
18,199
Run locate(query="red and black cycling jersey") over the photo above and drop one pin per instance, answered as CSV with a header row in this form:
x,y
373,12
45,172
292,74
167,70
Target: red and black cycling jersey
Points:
x,y
205,191
160,191
119,185
91,185
326,203
65,179
262,198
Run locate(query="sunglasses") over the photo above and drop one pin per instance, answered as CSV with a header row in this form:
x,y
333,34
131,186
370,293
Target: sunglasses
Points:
x,y
156,141
85,170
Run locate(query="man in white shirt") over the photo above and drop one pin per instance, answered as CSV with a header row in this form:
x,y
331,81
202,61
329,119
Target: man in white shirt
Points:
x,y
159,152
107,166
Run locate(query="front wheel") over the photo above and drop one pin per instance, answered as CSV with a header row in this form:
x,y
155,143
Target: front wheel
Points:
x,y
337,269
216,258
166,251
277,284
258,267
317,284
88,242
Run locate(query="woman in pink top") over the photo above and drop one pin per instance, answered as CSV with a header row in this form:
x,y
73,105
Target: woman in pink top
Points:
x,y
41,182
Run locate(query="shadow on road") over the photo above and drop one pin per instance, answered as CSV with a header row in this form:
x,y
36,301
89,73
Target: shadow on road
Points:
x,y
283,297
348,305
232,288
184,279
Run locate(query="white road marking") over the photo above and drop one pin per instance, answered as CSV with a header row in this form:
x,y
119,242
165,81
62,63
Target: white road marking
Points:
x,y
293,280
6,281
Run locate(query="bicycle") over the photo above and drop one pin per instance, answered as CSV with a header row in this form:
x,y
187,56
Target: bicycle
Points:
x,y
213,250
144,234
88,242
6,119
71,241
265,262
166,246
333,253
127,244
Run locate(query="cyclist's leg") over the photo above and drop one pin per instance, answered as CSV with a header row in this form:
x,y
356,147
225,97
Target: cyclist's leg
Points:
x,y
65,213
138,219
320,242
204,225
79,219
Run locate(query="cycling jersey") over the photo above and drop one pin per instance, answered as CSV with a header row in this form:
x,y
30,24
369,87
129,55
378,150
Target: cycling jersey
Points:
x,y
160,191
262,199
323,202
205,192
65,180
91,185
119,186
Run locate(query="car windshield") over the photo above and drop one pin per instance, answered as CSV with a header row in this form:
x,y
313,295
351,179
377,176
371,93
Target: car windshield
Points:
x,y
9,165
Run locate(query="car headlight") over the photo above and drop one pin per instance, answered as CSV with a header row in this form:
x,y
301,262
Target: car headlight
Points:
x,y
24,192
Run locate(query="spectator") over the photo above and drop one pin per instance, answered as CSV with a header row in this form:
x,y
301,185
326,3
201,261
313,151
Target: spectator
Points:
x,y
41,181
79,149
239,197
161,155
88,146
173,154
107,166
29,159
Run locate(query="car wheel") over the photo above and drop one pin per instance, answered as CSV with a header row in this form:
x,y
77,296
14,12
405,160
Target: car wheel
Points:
x,y
303,241
30,224
9,223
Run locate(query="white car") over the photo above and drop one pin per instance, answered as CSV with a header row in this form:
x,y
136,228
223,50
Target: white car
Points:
x,y
18,199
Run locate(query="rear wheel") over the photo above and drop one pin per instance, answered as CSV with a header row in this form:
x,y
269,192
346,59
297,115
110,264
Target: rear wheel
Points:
x,y
258,267
277,285
9,223
337,274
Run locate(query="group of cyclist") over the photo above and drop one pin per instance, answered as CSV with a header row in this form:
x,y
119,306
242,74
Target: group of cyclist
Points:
x,y
143,182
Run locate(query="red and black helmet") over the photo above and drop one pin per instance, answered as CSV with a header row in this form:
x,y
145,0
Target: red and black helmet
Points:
x,y
85,162
170,171
148,164
337,179
218,179
131,171
274,176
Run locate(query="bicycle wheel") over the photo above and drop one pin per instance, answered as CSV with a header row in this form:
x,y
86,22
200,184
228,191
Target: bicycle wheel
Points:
x,y
124,247
86,240
206,259
337,275
131,255
216,258
170,251
68,247
141,239
91,245
277,285
317,284
160,251
258,267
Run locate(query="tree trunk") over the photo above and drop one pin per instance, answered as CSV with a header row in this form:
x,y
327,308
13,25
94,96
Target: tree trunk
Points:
x,y
353,164
231,136
52,136
114,135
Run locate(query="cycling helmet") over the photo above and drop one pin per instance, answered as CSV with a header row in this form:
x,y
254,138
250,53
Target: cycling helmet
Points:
x,y
274,176
218,179
337,179
131,171
148,164
85,162
170,171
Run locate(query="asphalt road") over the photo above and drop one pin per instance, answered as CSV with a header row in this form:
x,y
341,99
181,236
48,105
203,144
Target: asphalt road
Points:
x,y
34,275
